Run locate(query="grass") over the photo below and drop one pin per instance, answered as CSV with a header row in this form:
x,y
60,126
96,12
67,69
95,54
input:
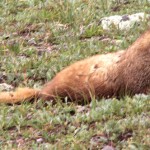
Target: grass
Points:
x,y
38,39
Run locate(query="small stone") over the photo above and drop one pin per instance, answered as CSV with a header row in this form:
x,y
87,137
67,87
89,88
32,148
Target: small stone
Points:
x,y
40,140
6,87
32,41
108,148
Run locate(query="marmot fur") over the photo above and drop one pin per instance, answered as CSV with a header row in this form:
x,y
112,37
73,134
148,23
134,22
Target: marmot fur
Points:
x,y
106,75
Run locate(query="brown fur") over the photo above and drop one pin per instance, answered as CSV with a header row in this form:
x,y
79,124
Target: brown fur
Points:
x,y
107,75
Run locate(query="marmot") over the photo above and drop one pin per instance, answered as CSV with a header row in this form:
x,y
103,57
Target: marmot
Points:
x,y
107,75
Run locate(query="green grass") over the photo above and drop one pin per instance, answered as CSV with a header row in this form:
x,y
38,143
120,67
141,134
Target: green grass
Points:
x,y
38,38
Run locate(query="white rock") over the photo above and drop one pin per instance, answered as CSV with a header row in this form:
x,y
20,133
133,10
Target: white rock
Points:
x,y
124,22
40,140
6,87
106,22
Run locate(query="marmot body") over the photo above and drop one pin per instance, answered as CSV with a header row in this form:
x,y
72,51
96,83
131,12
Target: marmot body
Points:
x,y
106,75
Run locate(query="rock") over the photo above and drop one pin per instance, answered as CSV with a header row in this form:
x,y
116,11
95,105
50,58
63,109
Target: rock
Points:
x,y
39,140
32,41
124,22
108,148
6,87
